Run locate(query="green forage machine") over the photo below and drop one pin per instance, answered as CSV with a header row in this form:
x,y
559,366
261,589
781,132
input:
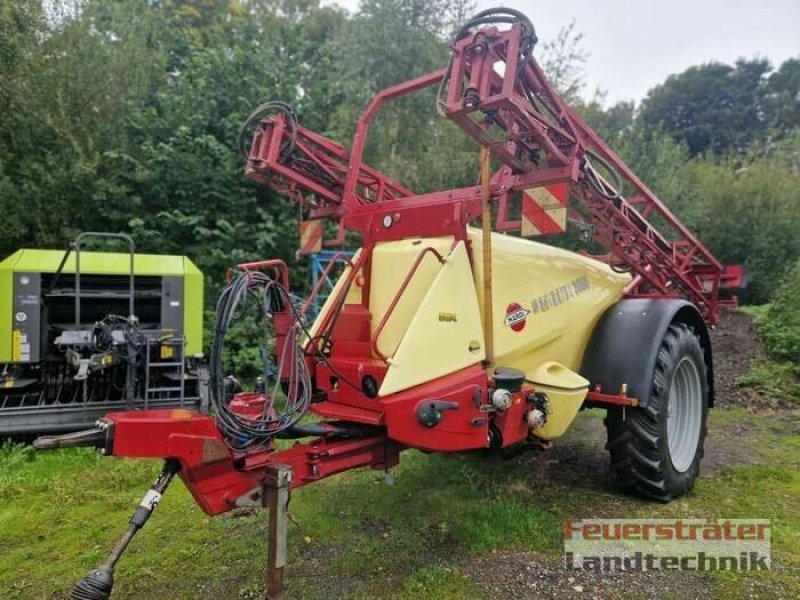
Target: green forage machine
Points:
x,y
84,333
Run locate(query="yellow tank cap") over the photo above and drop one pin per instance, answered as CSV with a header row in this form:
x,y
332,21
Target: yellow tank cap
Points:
x,y
565,392
556,375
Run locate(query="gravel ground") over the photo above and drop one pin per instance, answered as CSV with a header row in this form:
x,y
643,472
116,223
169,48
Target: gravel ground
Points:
x,y
523,576
518,575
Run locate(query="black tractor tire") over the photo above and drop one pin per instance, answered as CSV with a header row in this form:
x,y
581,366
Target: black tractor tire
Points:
x,y
642,461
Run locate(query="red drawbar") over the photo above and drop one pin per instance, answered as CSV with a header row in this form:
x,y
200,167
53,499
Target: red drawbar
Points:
x,y
220,479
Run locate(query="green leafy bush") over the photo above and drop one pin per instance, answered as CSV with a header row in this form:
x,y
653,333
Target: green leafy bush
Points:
x,y
774,380
780,327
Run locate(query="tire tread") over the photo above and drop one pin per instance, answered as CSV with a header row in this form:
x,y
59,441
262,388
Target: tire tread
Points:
x,y
634,434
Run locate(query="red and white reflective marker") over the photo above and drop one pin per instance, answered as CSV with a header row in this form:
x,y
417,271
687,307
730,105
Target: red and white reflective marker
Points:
x,y
544,209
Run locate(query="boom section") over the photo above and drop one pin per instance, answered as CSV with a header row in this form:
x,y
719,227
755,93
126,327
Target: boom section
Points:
x,y
498,94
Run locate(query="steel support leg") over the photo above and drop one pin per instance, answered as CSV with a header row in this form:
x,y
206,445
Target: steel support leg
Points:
x,y
277,486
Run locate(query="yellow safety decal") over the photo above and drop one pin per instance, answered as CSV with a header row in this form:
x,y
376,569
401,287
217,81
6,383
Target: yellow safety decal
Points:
x,y
16,345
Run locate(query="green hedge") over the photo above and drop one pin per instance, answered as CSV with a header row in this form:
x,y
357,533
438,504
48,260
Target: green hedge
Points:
x,y
780,329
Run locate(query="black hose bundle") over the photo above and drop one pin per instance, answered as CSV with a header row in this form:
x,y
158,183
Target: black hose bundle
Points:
x,y
240,431
596,182
259,113
500,14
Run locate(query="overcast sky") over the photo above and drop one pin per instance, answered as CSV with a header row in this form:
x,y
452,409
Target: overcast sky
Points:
x,y
635,44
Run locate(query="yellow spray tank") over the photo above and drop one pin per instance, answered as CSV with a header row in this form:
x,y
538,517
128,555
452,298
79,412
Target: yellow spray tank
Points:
x,y
546,304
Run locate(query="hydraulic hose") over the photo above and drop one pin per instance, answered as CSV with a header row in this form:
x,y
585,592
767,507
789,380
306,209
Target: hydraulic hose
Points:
x,y
241,431
259,113
341,430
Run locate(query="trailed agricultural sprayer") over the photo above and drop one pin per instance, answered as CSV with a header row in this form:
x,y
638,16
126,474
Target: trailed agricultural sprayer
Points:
x,y
446,337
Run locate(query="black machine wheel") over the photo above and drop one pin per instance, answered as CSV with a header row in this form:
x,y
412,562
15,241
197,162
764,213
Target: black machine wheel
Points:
x,y
656,449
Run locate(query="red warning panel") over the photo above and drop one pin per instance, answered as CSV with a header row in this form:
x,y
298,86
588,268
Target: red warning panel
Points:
x,y
544,209
310,237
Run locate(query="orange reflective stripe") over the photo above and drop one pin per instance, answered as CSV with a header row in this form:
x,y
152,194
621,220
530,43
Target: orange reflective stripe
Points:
x,y
310,237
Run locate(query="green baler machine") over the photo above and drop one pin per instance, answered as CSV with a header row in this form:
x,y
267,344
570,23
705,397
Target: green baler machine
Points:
x,y
73,346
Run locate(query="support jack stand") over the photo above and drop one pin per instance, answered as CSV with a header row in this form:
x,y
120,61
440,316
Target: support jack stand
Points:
x,y
277,488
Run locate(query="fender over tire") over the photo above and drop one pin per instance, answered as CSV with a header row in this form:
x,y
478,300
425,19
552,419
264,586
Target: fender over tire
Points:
x,y
625,343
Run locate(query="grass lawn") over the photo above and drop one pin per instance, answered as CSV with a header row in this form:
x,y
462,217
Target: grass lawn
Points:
x,y
462,526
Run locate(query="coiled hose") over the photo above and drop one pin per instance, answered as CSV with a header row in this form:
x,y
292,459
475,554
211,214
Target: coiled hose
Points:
x,y
259,113
277,415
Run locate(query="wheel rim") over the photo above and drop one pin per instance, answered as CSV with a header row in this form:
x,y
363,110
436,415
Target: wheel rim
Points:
x,y
685,414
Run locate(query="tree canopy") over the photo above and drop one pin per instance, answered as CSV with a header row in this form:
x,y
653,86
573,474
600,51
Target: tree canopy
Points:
x,y
721,108
121,115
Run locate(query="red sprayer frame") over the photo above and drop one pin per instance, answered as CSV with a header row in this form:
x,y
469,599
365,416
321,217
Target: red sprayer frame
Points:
x,y
669,262
498,96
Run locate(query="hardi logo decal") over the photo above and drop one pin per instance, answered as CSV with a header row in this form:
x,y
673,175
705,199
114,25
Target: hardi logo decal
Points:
x,y
516,316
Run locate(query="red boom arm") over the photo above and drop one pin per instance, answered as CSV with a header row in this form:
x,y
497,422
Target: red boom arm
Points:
x,y
499,96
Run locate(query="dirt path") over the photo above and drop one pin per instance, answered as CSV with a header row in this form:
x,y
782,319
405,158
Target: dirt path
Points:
x,y
734,345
